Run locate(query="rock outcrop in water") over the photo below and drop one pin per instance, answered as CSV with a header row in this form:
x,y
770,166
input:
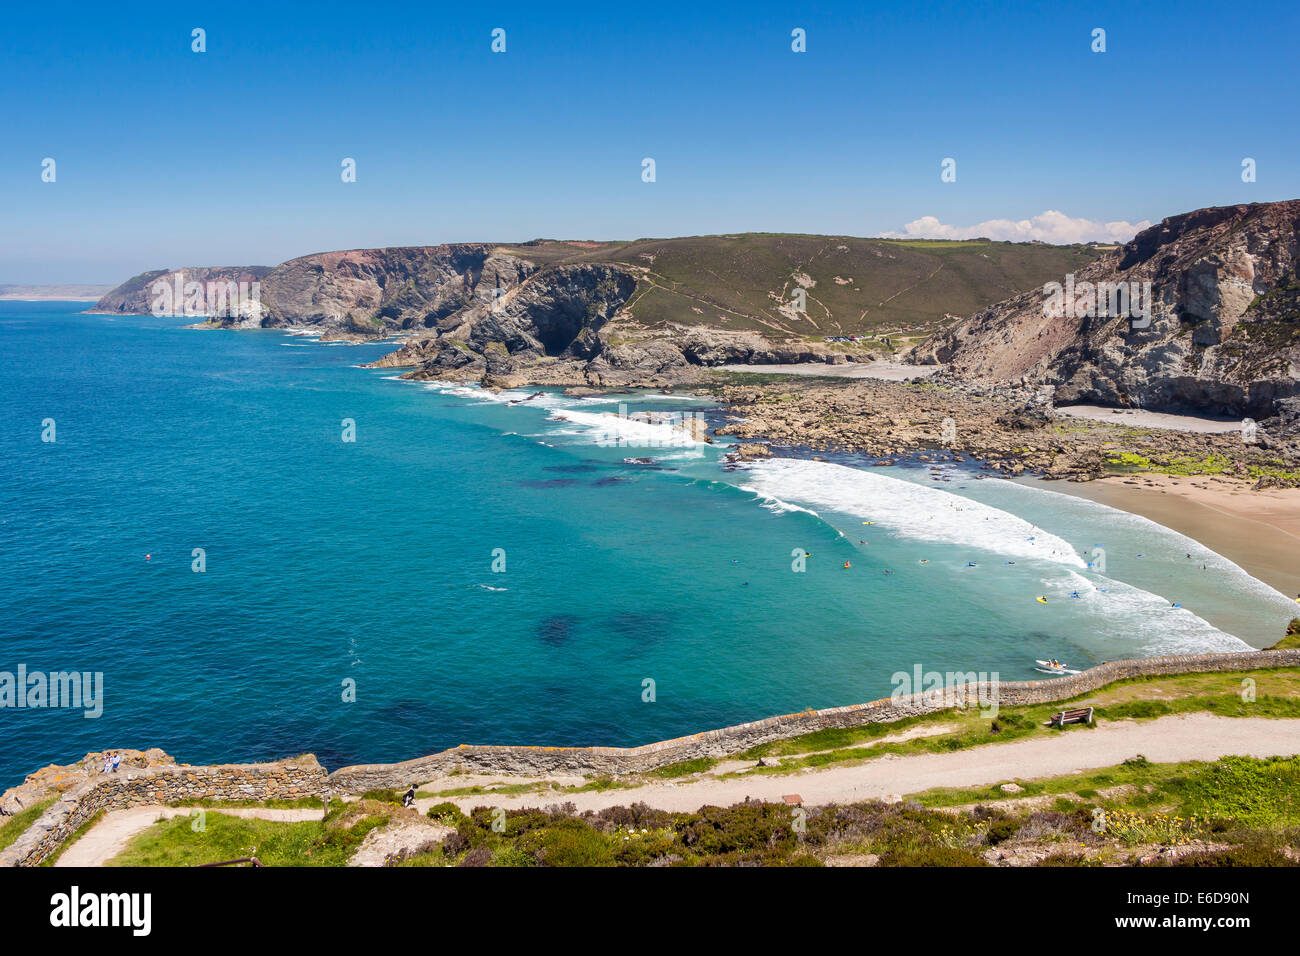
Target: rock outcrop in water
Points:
x,y
1223,335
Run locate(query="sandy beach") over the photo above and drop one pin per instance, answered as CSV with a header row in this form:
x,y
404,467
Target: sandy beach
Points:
x,y
1258,530
1141,418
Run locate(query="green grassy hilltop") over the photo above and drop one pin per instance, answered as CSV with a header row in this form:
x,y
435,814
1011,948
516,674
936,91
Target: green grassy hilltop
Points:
x,y
853,285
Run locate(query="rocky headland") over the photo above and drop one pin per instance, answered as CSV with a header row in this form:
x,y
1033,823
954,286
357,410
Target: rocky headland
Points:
x,y
1220,335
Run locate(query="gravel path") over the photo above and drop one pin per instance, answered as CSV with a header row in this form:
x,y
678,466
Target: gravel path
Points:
x,y
1166,740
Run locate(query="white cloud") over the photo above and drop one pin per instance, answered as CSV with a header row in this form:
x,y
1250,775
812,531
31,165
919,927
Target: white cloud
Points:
x,y
1050,226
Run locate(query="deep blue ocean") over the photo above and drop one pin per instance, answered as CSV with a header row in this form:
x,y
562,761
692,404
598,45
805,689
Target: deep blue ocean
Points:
x,y
372,560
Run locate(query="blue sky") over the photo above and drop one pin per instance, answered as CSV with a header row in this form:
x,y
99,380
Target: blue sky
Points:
x,y
167,158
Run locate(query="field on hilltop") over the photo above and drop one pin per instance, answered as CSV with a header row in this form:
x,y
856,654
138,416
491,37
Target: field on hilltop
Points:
x,y
852,285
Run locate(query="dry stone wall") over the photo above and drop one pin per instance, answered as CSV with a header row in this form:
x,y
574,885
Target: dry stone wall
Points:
x,y
304,777
729,740
285,780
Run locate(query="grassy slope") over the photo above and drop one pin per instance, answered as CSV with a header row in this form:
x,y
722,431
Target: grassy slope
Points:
x,y
1245,811
897,285
330,842
1250,805
11,828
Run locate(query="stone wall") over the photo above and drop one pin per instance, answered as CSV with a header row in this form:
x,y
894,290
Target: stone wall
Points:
x,y
285,780
541,761
304,777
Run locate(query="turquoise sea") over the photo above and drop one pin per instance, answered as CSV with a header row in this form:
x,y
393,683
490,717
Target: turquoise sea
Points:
x,y
371,561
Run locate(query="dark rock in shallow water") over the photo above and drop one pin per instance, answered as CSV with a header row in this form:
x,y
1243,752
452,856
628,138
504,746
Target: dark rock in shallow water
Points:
x,y
580,467
547,482
557,629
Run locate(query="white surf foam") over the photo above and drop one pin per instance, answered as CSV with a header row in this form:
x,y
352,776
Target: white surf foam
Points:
x,y
1139,622
1176,542
905,508
612,430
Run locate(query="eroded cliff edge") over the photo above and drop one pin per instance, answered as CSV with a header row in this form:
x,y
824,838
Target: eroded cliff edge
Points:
x,y
1224,331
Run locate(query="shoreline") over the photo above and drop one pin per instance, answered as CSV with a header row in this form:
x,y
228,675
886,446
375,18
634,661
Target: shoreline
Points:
x,y
1259,531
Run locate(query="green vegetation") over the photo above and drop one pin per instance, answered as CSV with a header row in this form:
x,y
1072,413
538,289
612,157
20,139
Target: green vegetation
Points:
x,y
1238,810
1234,811
328,842
1125,462
1277,695
1292,638
12,827
685,767
1241,808
860,286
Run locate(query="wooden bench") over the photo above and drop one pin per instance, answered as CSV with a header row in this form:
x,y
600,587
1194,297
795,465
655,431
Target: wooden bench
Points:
x,y
1081,716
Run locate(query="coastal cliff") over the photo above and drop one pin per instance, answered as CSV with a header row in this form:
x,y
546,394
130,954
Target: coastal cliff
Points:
x,y
137,296
1218,291
1222,334
650,312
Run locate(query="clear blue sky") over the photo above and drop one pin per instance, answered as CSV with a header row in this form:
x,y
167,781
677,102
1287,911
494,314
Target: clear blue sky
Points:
x,y
168,158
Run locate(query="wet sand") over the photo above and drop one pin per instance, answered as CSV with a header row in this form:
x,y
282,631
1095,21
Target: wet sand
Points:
x,y
1257,530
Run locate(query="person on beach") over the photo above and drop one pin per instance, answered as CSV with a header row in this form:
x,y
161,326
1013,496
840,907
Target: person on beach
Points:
x,y
108,762
117,762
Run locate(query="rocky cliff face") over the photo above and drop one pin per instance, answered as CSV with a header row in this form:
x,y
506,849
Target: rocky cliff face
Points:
x,y
473,312
382,290
650,312
1224,322
138,294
